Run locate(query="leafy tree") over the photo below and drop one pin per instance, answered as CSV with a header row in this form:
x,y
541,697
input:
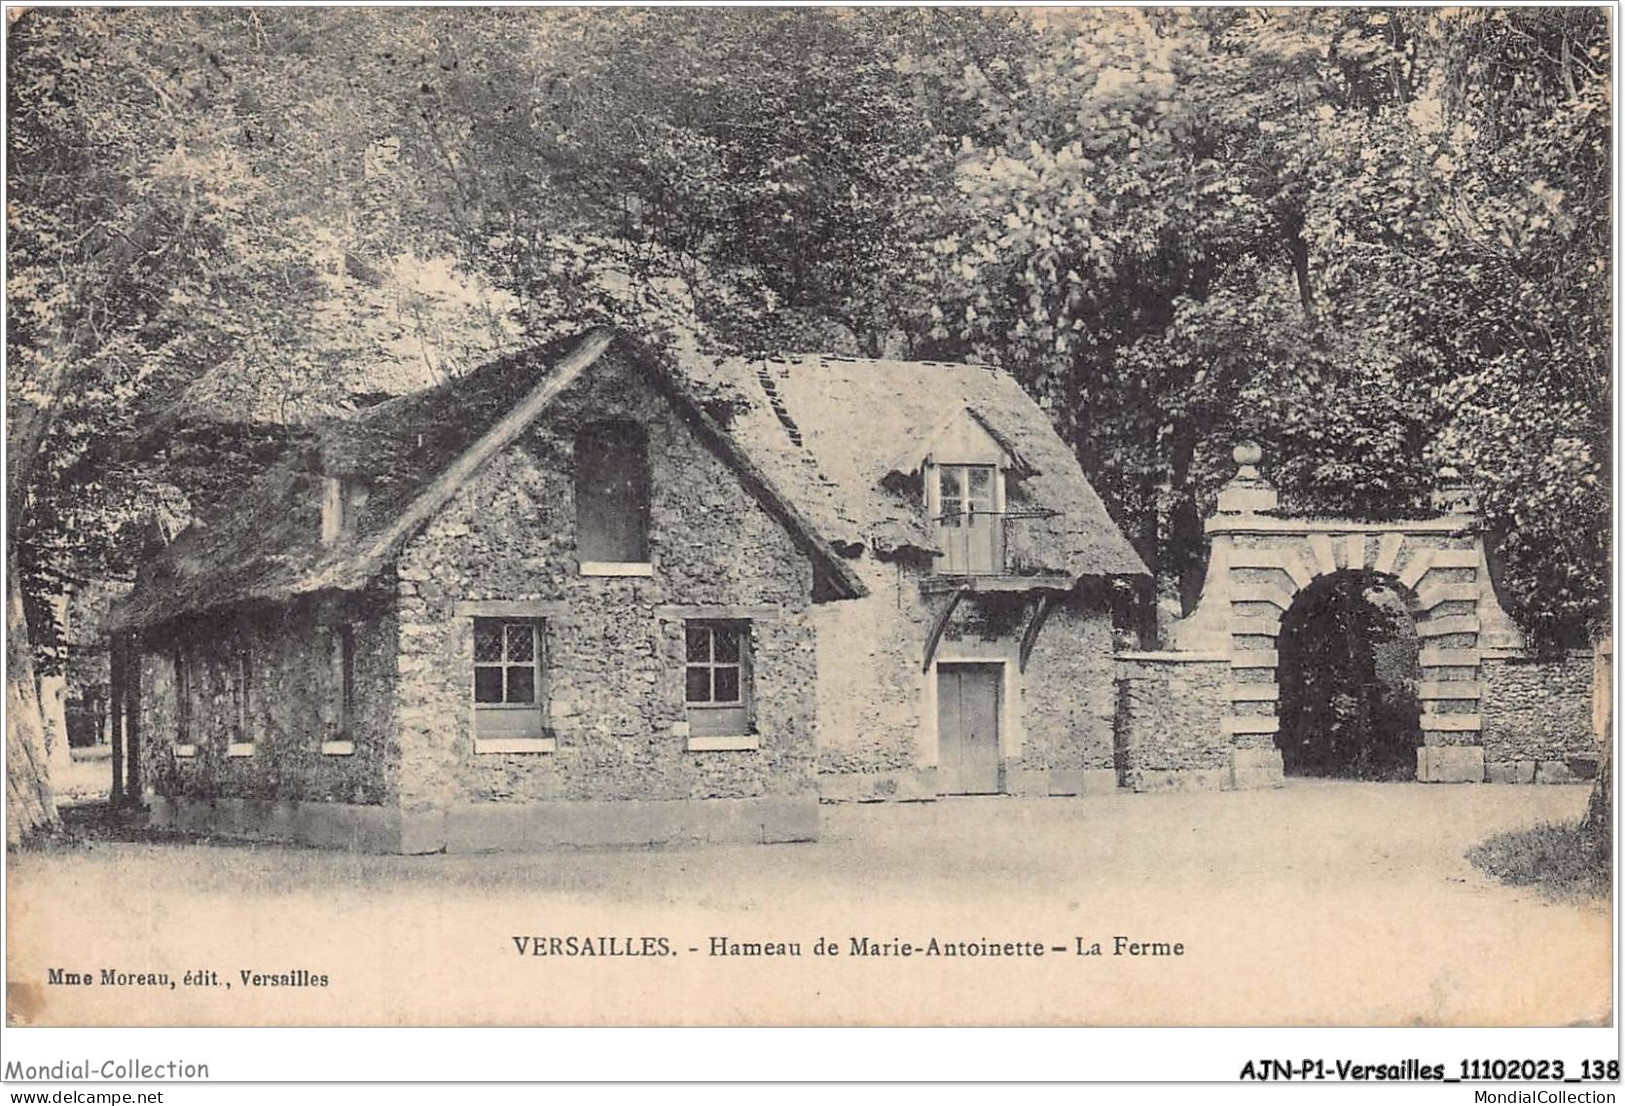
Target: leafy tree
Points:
x,y
158,227
1347,709
762,176
1335,231
232,209
105,222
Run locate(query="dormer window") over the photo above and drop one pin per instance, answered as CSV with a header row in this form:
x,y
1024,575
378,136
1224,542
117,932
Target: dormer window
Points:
x,y
969,516
966,467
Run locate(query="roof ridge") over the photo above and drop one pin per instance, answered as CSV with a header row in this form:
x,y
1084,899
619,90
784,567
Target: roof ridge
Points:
x,y
848,359
462,469
303,567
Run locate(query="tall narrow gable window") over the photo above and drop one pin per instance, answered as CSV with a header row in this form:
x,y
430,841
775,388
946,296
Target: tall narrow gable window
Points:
x,y
612,497
716,677
185,744
508,691
242,689
341,680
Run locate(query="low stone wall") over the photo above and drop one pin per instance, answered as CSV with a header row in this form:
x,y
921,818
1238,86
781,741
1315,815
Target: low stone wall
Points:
x,y
1537,717
1169,731
351,826
512,827
491,827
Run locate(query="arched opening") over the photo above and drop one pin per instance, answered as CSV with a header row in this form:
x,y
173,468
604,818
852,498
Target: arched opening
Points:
x,y
1349,666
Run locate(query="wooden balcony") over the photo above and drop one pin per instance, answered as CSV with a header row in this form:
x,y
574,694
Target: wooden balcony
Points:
x,y
993,551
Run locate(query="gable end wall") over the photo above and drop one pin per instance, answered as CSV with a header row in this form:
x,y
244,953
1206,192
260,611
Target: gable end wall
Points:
x,y
613,645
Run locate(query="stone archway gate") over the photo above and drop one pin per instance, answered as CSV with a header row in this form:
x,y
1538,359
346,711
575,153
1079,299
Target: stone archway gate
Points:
x,y
1206,713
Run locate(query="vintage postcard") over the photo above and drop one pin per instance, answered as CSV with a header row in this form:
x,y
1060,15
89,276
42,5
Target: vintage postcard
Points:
x,y
810,517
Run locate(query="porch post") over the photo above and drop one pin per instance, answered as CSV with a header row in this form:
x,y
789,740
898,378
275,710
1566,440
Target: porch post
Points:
x,y
115,695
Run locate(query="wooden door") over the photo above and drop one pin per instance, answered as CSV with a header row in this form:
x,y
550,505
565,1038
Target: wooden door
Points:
x,y
968,728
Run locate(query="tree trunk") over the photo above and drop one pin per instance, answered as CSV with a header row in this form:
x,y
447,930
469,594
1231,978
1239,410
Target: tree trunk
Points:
x,y
1298,250
53,693
30,805
1599,810
1599,815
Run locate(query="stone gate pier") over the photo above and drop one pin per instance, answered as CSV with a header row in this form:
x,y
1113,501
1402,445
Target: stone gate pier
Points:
x,y
1205,713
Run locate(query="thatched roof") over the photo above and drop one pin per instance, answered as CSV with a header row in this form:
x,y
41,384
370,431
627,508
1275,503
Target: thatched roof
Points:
x,y
830,446
414,452
845,439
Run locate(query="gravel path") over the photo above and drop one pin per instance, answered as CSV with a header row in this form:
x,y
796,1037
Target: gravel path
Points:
x,y
1318,903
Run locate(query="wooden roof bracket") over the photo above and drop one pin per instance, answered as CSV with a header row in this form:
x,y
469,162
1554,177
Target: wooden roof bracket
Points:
x,y
940,624
1041,613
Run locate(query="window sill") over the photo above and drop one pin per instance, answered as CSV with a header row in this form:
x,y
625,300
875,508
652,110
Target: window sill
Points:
x,y
185,751
488,745
617,568
338,748
240,749
725,743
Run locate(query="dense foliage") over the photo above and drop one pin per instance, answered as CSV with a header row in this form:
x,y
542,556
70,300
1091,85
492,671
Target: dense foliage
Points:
x,y
1376,241
1348,677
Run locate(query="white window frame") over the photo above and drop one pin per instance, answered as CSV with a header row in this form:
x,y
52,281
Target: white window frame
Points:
x,y
617,568
746,738
243,674
495,744
933,489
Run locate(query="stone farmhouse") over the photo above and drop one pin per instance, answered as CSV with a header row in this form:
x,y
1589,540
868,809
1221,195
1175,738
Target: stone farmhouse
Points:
x,y
582,596
600,594
980,661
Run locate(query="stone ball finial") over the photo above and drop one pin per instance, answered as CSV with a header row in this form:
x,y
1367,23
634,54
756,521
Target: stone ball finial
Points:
x,y
1248,491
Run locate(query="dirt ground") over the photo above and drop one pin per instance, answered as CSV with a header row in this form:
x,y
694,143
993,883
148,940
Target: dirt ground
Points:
x,y
1316,904
86,778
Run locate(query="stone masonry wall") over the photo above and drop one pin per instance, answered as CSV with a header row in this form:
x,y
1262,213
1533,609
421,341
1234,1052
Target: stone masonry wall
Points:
x,y
613,646
1070,698
1170,722
293,705
869,674
1537,719
876,738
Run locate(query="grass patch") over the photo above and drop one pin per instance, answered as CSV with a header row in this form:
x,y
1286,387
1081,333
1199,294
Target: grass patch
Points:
x,y
1563,860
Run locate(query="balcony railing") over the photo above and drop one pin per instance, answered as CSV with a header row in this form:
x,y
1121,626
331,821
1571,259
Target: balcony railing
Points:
x,y
972,543
991,543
